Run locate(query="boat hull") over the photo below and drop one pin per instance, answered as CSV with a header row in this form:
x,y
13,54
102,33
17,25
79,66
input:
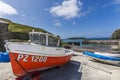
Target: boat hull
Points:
x,y
23,64
117,63
108,54
103,58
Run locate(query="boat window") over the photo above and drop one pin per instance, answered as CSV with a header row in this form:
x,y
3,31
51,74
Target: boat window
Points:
x,y
42,39
55,41
35,38
52,41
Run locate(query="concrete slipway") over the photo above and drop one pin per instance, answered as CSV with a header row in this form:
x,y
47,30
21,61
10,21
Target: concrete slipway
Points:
x,y
79,68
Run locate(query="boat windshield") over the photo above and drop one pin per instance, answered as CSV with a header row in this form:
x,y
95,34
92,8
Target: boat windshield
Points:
x,y
52,41
35,38
43,39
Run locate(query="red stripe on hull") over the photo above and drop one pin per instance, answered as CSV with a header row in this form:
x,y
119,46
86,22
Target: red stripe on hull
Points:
x,y
21,63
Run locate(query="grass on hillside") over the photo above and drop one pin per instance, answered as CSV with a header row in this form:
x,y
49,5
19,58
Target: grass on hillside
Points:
x,y
15,27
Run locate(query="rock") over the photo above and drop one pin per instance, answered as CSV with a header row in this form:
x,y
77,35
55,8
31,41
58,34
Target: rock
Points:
x,y
116,35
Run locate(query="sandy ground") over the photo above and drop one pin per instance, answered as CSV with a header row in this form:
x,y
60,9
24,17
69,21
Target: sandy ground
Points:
x,y
79,68
6,71
96,71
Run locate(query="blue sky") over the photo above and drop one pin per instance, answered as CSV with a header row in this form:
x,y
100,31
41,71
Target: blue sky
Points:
x,y
67,18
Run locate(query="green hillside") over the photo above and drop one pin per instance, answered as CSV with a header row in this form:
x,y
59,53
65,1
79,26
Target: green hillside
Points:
x,y
6,20
16,27
14,32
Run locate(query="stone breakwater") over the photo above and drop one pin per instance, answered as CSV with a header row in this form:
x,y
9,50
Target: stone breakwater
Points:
x,y
104,42
113,44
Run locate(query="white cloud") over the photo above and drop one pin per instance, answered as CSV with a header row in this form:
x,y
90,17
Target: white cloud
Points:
x,y
23,15
57,23
117,9
68,9
6,9
87,11
114,2
74,23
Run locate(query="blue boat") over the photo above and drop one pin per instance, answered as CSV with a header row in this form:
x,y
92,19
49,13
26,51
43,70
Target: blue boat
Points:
x,y
4,57
103,58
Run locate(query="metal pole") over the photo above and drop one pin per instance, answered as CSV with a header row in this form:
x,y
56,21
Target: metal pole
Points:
x,y
80,42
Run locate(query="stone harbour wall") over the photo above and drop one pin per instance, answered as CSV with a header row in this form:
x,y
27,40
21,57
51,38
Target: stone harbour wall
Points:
x,y
3,35
104,42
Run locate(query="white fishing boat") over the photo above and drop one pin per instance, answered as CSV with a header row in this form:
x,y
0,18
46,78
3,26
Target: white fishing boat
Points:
x,y
40,53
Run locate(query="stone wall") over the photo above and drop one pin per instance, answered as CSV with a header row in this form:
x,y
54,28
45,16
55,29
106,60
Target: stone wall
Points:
x,y
3,34
113,44
104,42
18,36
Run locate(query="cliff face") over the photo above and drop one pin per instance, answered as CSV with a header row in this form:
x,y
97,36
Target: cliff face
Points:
x,y
3,34
10,30
116,35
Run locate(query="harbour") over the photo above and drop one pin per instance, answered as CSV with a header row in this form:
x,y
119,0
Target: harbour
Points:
x,y
59,40
49,60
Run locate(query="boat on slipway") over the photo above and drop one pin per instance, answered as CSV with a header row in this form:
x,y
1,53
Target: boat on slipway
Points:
x,y
4,57
104,57
117,55
40,53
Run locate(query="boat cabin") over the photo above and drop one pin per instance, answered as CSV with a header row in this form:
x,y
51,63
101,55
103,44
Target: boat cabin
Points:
x,y
44,39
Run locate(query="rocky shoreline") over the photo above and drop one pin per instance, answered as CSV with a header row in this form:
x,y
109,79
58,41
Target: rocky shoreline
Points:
x,y
111,46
